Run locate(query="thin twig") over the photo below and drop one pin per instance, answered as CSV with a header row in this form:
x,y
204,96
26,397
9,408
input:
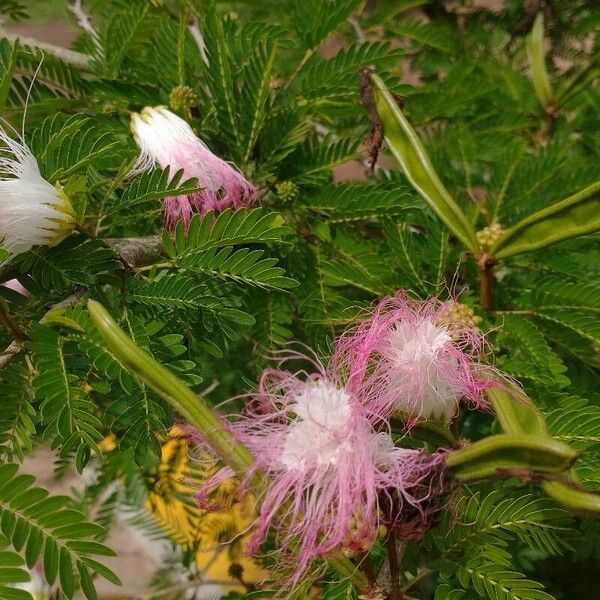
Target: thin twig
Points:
x,y
307,56
420,575
9,323
361,38
9,354
84,21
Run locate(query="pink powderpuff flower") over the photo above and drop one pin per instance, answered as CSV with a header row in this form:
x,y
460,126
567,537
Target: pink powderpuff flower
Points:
x,y
407,358
167,140
326,468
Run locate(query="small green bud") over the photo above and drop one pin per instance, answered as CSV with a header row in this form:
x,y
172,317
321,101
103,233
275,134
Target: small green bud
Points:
x,y
489,235
287,190
182,98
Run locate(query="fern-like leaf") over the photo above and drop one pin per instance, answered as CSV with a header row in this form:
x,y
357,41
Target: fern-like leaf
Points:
x,y
40,525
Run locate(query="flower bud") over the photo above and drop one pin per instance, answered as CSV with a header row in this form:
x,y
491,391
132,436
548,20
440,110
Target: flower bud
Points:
x,y
182,98
167,140
287,190
488,236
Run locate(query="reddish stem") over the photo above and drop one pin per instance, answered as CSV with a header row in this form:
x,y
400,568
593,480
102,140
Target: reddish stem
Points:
x,y
486,265
394,567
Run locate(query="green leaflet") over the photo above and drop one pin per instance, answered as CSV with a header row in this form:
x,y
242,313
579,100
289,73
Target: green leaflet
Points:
x,y
535,55
507,452
8,66
412,156
572,217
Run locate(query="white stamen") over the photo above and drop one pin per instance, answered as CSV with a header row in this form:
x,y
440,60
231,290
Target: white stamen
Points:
x,y
316,438
32,211
416,351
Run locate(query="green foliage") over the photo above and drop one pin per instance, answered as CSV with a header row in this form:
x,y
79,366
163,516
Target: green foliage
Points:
x,y
42,526
488,138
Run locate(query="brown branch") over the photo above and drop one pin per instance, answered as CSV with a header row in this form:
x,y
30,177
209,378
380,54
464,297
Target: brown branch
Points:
x,y
134,252
9,354
76,59
486,279
138,251
9,323
365,566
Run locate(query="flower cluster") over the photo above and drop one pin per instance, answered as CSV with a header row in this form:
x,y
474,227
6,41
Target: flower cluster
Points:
x,y
332,473
414,358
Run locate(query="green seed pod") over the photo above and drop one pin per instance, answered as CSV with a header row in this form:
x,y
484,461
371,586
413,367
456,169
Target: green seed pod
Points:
x,y
508,453
579,502
516,412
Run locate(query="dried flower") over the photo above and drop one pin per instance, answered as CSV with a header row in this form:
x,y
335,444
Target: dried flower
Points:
x,y
406,358
32,211
167,140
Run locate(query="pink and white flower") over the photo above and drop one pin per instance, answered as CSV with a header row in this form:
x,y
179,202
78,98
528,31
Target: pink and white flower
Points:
x,y
406,358
326,468
166,140
32,211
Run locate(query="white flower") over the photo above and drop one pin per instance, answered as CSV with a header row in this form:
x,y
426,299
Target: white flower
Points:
x,y
32,211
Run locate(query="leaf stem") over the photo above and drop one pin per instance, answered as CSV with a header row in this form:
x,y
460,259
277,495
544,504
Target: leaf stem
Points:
x,y
299,68
420,575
